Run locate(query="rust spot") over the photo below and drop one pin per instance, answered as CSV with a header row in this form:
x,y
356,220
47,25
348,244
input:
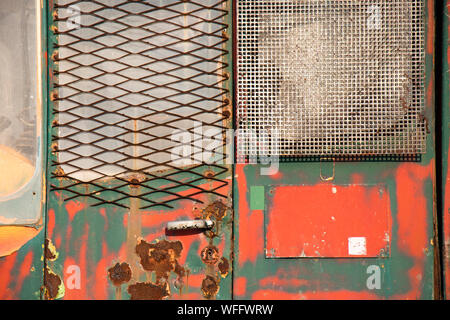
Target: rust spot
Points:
x,y
209,287
224,266
120,273
59,172
225,35
147,291
53,95
54,146
209,173
218,209
160,257
226,113
134,183
136,180
52,283
54,55
50,251
210,255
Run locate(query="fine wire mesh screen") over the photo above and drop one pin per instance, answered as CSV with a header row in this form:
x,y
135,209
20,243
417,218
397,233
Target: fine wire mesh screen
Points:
x,y
136,81
330,77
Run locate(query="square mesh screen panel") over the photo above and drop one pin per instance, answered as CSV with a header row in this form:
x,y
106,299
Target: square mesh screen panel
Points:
x,y
330,77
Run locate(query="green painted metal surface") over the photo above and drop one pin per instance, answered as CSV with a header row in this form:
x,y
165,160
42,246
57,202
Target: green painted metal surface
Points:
x,y
409,271
445,132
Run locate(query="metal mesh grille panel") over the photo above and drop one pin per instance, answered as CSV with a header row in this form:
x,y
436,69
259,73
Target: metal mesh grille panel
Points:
x,y
131,76
328,77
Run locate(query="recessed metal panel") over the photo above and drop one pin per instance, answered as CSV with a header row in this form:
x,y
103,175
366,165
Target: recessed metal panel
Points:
x,y
327,221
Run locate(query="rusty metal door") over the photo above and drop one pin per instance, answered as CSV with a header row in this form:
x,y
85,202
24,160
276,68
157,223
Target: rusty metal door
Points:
x,y
333,184
135,86
339,200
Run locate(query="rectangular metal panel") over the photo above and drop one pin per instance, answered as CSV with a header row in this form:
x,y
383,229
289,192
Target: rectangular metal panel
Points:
x,y
327,221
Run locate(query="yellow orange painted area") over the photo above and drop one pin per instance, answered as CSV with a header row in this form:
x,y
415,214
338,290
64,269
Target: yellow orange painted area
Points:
x,y
15,171
12,238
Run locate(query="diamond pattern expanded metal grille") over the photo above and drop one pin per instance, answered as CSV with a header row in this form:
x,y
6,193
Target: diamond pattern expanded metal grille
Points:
x,y
135,81
330,77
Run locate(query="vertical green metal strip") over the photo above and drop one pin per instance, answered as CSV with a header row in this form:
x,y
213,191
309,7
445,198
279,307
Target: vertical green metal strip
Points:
x,y
445,132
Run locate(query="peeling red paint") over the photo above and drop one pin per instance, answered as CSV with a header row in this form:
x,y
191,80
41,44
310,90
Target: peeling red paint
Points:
x,y
412,221
187,296
81,261
100,279
415,275
240,286
251,235
279,282
73,207
50,223
251,238
6,265
24,271
323,295
446,206
412,215
357,178
195,280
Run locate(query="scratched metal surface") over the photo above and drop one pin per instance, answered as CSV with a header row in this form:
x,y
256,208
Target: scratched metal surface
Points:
x,y
407,273
108,251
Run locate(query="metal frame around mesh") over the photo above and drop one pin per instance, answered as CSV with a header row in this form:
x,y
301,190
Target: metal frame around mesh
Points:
x,y
132,77
334,78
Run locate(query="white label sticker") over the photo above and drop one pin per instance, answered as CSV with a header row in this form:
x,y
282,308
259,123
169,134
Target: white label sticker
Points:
x,y
357,246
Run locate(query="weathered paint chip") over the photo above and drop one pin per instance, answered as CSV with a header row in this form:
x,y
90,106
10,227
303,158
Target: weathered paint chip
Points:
x,y
257,198
357,246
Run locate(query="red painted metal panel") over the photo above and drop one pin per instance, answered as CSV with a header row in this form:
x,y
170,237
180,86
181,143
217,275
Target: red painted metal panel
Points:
x,y
328,221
